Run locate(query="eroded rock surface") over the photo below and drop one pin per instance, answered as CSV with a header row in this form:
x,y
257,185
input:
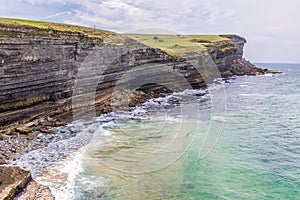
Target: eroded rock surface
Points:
x,y
35,191
12,181
51,78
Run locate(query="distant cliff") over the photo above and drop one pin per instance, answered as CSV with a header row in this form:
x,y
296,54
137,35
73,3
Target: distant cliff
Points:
x,y
44,75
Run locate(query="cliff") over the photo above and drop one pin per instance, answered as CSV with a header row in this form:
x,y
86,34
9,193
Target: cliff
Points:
x,y
45,77
52,74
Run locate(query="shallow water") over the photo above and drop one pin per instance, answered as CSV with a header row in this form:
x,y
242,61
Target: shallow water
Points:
x,y
155,151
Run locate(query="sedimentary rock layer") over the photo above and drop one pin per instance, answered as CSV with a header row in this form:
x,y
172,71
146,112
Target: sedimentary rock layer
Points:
x,y
12,181
63,78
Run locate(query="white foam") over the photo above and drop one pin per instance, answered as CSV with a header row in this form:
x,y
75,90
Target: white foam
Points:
x,y
266,75
55,178
138,110
110,124
246,95
218,118
61,176
71,166
194,92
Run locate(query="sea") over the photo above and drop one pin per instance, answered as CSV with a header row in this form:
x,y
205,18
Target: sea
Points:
x,y
238,139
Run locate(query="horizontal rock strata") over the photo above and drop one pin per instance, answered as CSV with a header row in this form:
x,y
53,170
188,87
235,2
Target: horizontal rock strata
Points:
x,y
55,77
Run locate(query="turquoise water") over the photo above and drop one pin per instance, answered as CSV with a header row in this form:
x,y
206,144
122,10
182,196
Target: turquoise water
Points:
x,y
256,157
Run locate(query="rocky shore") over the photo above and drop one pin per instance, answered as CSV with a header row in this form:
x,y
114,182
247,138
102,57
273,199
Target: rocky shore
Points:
x,y
47,81
12,181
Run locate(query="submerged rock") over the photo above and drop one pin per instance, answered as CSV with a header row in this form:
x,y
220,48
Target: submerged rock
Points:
x,y
189,186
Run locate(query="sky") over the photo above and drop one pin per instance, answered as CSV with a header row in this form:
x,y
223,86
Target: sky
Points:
x,y
271,27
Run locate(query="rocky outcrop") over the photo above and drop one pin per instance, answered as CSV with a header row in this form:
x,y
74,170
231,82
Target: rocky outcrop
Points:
x,y
239,42
35,191
12,181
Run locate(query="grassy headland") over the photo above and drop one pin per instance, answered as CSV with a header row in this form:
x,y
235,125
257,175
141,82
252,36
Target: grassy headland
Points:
x,y
181,45
175,45
39,28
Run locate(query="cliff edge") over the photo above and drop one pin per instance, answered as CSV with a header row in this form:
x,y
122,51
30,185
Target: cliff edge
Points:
x,y
39,64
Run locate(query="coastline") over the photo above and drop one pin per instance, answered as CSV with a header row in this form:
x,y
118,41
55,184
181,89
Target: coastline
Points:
x,y
32,124
36,188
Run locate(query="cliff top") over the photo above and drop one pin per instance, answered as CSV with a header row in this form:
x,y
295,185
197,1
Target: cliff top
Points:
x,y
175,45
39,28
181,45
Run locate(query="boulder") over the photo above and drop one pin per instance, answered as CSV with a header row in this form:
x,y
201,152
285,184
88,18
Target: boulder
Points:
x,y
23,130
35,190
12,181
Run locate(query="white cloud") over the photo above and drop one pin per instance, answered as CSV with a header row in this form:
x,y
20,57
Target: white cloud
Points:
x,y
43,2
55,15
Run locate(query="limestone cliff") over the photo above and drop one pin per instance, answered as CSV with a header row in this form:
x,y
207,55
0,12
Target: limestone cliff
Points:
x,y
45,76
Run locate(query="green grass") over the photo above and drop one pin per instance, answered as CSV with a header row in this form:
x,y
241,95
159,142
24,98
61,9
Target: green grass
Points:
x,y
208,38
180,45
52,29
174,45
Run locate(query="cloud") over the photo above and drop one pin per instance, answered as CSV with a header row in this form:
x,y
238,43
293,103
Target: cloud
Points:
x,y
55,15
42,2
122,15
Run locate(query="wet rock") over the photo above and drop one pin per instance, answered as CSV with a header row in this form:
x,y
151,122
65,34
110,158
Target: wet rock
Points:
x,y
30,137
19,151
49,119
44,122
35,191
12,181
4,137
47,130
227,73
189,186
2,161
11,131
23,130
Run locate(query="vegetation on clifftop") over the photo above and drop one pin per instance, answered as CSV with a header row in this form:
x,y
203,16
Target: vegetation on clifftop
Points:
x,y
174,45
39,28
181,45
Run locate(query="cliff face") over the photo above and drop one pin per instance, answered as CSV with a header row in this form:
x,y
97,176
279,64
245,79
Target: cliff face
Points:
x,y
49,78
35,73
